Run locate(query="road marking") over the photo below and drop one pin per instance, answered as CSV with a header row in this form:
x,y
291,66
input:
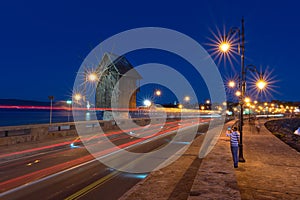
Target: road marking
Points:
x,y
110,176
93,186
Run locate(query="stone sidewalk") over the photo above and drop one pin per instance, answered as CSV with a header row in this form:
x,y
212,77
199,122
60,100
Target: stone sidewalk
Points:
x,y
272,168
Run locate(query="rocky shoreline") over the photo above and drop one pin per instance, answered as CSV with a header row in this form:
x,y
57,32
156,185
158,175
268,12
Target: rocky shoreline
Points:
x,y
284,130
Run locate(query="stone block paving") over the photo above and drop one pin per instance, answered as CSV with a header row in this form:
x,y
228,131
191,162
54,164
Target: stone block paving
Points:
x,y
272,168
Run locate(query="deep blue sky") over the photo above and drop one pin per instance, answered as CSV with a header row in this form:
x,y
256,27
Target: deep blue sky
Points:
x,y
42,43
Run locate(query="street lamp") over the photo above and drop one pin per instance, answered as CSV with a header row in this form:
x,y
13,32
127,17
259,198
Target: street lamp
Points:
x,y
187,98
77,97
51,99
261,84
231,84
69,102
90,76
147,103
225,47
238,93
157,92
247,100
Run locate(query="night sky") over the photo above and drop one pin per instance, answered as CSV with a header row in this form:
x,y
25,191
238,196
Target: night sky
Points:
x,y
43,43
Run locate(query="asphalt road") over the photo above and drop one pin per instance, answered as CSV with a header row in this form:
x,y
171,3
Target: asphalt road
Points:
x,y
72,173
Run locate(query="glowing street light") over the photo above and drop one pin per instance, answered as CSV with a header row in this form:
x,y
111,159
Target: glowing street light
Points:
x,y
157,92
69,102
187,98
147,103
92,77
77,97
207,102
247,100
224,46
238,93
261,84
231,84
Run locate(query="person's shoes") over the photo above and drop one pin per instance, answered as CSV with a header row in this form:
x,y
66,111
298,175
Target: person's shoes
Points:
x,y
235,166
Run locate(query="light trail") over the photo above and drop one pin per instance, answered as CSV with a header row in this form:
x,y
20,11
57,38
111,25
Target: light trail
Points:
x,y
138,110
24,179
76,141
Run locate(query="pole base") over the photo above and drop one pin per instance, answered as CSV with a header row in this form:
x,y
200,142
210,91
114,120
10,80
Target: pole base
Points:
x,y
241,154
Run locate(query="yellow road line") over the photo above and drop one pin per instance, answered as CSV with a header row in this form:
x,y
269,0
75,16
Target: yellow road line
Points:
x,y
99,182
92,186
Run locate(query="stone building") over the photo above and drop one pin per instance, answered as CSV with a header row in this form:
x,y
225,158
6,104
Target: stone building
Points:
x,y
117,86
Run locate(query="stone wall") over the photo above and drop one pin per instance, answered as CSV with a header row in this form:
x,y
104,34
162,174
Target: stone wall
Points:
x,y
284,130
27,133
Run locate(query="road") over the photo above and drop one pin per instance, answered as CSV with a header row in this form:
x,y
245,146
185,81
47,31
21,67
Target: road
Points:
x,y
71,172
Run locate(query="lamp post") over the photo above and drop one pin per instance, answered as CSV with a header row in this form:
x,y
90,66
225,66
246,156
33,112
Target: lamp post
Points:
x,y
261,84
225,47
51,99
69,102
90,76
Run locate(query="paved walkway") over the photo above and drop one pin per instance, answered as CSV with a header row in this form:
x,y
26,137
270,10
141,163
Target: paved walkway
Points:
x,y
272,168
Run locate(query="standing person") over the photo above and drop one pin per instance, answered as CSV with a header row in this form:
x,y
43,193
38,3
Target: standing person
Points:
x,y
234,145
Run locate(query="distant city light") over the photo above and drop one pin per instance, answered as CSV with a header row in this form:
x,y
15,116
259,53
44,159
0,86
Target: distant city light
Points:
x,y
247,99
157,92
77,96
147,103
187,98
